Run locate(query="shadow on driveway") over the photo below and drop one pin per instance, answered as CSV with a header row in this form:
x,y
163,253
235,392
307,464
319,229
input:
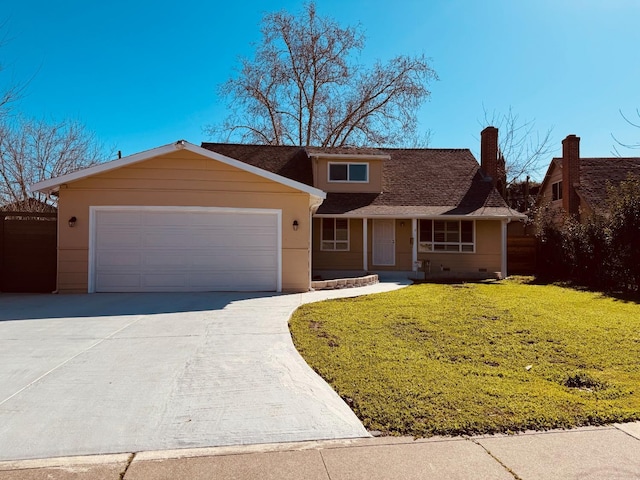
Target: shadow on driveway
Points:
x,y
42,306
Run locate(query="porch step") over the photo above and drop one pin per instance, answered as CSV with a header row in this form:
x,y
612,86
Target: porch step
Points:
x,y
344,282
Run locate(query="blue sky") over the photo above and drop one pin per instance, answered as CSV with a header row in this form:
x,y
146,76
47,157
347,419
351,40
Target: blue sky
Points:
x,y
141,74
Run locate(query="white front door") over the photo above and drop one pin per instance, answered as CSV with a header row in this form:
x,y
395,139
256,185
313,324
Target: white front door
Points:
x,y
384,242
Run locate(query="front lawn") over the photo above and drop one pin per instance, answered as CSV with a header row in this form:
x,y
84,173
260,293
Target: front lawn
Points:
x,y
477,358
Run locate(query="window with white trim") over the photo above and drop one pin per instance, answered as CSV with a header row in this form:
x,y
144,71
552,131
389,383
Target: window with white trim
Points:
x,y
349,172
556,191
446,236
335,234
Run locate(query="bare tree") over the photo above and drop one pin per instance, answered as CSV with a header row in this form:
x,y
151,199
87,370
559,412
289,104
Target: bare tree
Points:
x,y
34,150
304,87
635,124
10,91
525,149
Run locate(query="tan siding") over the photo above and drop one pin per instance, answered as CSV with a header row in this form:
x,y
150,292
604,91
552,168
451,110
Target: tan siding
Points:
x,y
546,194
180,179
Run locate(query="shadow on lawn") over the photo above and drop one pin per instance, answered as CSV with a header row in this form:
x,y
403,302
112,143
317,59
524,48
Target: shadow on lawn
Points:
x,y
627,297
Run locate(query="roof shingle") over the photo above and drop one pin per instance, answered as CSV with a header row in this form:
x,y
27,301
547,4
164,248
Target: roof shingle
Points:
x,y
416,182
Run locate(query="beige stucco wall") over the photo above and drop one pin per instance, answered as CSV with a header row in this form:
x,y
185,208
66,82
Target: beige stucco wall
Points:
x,y
321,176
487,256
181,178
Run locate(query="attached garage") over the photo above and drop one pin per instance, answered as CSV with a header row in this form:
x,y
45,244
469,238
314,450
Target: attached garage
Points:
x,y
183,249
181,218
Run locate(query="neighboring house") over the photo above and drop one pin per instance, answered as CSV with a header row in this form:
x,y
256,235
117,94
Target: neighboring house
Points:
x,y
576,185
268,218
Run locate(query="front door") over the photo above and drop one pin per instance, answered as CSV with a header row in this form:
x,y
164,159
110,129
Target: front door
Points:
x,y
384,242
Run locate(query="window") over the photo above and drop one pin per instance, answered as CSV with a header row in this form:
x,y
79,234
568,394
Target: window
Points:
x,y
556,191
349,172
335,234
446,236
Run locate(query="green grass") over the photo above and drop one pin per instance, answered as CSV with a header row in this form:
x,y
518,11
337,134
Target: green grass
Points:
x,y
477,358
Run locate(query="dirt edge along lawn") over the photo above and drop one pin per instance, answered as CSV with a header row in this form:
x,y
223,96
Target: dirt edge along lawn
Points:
x,y
476,358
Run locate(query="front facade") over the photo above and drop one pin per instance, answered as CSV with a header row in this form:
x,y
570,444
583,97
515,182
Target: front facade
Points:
x,y
181,218
271,218
426,213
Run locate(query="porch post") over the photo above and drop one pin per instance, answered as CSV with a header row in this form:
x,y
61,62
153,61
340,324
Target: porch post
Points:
x,y
503,268
414,246
365,242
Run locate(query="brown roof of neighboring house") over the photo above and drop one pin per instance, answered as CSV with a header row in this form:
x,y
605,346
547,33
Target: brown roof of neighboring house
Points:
x,y
597,173
416,182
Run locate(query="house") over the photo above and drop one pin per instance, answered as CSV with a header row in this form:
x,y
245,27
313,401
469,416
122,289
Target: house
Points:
x,y
268,218
578,186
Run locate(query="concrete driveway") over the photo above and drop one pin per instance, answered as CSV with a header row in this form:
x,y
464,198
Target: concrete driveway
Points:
x,y
109,373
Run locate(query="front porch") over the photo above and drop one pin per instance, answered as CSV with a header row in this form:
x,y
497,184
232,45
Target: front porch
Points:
x,y
415,248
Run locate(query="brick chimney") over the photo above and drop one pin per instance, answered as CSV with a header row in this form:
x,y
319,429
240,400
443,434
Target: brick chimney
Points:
x,y
570,174
491,161
489,153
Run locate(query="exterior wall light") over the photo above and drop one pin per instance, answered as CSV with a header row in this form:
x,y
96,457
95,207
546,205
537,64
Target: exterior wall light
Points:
x,y
72,222
295,225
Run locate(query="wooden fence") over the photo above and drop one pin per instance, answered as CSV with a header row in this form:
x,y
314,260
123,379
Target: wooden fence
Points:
x,y
28,251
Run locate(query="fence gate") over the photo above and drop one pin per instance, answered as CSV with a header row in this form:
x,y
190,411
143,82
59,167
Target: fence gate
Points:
x,y
28,247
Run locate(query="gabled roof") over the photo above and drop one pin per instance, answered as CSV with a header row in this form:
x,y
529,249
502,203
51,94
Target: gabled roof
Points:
x,y
52,185
416,182
596,174
288,161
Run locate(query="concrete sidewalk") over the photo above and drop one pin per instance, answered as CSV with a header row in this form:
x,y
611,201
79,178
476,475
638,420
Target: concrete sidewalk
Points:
x,y
589,453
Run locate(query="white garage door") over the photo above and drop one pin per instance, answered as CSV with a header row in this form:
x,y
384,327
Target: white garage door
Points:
x,y
182,249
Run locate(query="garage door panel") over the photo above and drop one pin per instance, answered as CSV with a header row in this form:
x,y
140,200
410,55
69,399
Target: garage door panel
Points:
x,y
170,238
106,282
230,264
116,238
168,250
116,259
108,218
165,279
165,259
164,218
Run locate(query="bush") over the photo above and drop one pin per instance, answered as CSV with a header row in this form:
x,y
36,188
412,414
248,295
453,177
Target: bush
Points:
x,y
603,251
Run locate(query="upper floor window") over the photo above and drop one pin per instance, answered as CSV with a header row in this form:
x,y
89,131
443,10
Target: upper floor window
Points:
x,y
446,236
349,172
556,191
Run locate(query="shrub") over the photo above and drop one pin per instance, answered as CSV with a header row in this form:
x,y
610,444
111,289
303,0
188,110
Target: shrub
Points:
x,y
602,251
